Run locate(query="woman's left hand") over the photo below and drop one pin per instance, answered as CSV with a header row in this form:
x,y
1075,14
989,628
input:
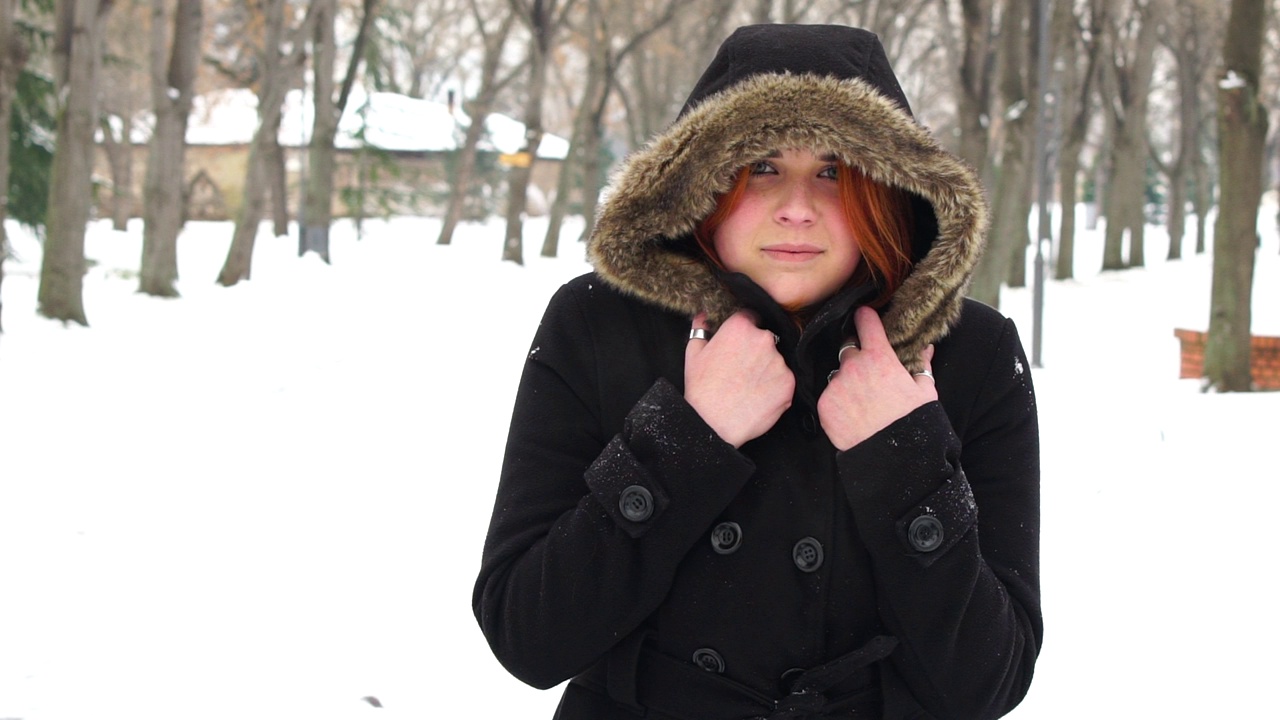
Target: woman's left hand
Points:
x,y
872,389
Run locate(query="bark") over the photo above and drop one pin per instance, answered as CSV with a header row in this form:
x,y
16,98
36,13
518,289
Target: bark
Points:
x,y
77,51
119,151
317,210
1242,133
1202,198
277,181
164,190
13,57
1187,44
1011,205
1133,72
542,22
479,111
1076,109
974,88
275,83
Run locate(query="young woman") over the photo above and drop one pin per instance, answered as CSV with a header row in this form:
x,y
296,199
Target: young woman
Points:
x,y
766,461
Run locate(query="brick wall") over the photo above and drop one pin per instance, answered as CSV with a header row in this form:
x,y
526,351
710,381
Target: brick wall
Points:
x,y
1264,357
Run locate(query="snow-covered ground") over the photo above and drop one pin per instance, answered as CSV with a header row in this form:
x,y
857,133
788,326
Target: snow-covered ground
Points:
x,y
269,501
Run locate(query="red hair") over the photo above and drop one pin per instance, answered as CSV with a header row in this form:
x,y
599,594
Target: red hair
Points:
x,y
878,215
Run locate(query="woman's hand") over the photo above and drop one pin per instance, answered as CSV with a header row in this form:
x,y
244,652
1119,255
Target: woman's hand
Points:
x,y
871,389
737,380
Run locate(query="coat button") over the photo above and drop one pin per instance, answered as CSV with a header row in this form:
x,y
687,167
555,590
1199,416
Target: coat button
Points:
x,y
708,660
809,423
726,537
807,554
636,503
925,533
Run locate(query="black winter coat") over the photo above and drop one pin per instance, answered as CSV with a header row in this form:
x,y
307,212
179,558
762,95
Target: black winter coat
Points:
x,y
674,576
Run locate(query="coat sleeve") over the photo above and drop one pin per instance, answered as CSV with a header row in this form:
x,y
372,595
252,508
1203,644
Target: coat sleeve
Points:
x,y
953,532
590,522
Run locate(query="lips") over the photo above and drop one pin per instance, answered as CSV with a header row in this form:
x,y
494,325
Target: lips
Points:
x,y
792,252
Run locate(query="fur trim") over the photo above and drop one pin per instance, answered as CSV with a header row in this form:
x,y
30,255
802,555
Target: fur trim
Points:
x,y
662,191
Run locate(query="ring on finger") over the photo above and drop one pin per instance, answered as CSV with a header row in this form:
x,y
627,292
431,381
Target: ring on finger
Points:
x,y
924,373
698,334
849,345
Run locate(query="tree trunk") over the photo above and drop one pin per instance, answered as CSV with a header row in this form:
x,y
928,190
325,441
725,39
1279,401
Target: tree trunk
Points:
x,y
542,29
1242,133
317,203
120,158
1133,69
593,94
1076,109
275,83
77,58
479,111
164,201
1202,199
974,89
13,57
317,211
1010,235
277,181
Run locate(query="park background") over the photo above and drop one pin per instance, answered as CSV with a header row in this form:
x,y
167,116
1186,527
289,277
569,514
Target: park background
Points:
x,y
223,496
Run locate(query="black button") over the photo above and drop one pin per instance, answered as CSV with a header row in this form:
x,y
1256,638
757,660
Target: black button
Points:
x,y
925,533
708,660
726,537
807,554
787,682
636,503
809,423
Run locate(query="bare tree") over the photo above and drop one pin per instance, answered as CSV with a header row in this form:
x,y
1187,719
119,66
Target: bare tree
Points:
x,y
1242,133
973,57
277,69
13,57
417,44
543,19
490,85
1185,34
1128,85
172,90
603,59
125,85
1011,204
1077,37
77,55
317,208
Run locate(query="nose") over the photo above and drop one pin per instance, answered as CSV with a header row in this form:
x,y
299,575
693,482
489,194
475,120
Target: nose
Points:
x,y
796,206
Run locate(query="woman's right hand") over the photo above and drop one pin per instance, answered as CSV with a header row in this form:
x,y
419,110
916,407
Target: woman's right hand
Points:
x,y
737,380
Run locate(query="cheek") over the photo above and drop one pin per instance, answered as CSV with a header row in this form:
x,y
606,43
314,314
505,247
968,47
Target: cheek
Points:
x,y
734,236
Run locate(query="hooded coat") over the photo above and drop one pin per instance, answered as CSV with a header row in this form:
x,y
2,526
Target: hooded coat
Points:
x,y
670,575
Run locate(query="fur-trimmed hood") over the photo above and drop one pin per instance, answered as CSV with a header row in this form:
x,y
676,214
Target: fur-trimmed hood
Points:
x,y
820,88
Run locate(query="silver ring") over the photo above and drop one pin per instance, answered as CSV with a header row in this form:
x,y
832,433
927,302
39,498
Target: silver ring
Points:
x,y
775,338
850,345
698,334
925,373
832,375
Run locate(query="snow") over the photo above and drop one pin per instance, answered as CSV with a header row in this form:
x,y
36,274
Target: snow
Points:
x,y
1233,81
269,501
390,121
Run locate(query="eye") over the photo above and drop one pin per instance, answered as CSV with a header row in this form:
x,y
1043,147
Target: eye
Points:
x,y
830,172
762,167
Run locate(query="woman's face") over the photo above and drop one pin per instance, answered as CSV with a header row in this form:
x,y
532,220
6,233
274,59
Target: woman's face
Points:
x,y
789,232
